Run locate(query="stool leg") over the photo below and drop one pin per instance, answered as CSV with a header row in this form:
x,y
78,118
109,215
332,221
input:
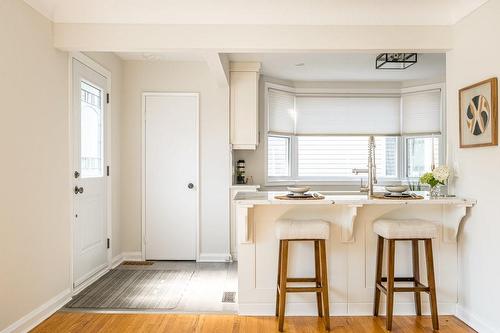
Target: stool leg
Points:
x,y
432,283
282,284
278,280
317,267
390,284
378,274
416,276
324,285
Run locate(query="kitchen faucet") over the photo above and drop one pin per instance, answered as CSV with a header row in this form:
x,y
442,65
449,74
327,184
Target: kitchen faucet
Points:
x,y
371,170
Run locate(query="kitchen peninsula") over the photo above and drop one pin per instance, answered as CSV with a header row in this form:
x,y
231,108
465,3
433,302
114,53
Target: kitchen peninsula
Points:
x,y
351,250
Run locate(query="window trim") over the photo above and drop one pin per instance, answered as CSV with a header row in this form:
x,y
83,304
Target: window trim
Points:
x,y
401,167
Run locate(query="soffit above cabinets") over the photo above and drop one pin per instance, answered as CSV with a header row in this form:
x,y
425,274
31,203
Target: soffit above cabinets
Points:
x,y
258,12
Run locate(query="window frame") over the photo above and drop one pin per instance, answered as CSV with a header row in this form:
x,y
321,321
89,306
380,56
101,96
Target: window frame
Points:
x,y
404,138
401,167
290,171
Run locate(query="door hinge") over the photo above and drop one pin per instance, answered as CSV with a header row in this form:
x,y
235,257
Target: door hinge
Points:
x,y
107,170
107,98
107,243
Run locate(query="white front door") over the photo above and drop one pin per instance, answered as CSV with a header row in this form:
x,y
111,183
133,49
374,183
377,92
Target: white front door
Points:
x,y
89,188
171,176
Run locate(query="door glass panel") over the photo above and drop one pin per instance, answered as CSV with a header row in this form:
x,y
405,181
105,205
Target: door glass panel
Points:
x,y
91,131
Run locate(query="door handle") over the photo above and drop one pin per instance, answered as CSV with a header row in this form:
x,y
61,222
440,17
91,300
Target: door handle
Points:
x,y
190,186
78,190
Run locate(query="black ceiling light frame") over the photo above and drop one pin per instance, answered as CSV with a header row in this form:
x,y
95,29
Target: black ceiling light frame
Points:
x,y
395,60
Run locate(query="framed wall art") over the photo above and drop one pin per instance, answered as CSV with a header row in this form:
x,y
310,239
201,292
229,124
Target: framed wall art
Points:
x,y
478,105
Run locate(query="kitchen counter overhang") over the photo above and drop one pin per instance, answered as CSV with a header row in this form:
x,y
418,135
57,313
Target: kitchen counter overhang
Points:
x,y
453,210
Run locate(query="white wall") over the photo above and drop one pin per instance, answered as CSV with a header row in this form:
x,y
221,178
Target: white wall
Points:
x,y
115,65
35,190
214,152
34,168
475,57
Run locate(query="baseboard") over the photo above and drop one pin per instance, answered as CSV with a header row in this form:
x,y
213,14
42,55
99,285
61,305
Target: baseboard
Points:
x,y
90,280
38,315
473,321
117,260
132,256
214,257
400,309
338,309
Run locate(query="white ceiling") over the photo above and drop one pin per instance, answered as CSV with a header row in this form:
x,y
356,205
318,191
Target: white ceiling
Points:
x,y
170,56
342,67
281,12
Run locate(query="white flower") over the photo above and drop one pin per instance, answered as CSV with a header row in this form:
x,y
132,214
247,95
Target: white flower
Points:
x,y
441,173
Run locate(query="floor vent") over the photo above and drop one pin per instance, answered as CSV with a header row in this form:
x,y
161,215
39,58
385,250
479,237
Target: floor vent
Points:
x,y
137,263
229,297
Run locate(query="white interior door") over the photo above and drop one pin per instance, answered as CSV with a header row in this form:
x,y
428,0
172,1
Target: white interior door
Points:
x,y
171,176
89,116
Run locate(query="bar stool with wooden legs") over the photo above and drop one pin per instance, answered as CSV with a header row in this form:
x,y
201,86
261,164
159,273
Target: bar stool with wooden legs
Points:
x,y
316,231
405,230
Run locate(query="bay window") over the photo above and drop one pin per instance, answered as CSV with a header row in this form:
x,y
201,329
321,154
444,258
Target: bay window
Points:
x,y
323,136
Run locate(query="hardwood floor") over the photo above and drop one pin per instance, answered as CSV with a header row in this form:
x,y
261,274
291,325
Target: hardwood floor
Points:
x,y
176,323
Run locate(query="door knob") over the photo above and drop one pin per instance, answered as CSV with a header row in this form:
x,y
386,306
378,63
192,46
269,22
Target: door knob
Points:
x,y
190,186
78,190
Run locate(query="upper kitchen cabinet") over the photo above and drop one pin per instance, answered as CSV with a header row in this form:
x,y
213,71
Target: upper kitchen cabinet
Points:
x,y
245,105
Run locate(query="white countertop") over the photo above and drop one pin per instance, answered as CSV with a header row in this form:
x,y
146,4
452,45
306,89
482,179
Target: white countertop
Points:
x,y
343,198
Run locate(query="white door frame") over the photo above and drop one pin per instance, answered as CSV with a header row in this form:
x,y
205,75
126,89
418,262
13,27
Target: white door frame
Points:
x,y
143,167
87,61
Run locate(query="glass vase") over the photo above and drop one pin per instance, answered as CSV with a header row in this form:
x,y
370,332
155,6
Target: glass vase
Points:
x,y
435,191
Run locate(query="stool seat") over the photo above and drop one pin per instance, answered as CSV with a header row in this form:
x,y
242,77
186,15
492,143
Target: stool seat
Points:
x,y
302,229
405,229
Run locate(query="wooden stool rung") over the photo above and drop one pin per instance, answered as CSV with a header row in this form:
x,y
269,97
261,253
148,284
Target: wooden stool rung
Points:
x,y
304,289
400,279
410,289
301,280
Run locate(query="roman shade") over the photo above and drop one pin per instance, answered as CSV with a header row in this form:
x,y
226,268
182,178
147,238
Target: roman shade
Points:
x,y
348,115
281,112
386,114
421,112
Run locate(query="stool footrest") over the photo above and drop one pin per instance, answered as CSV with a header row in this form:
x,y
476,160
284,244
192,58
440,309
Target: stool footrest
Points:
x,y
301,280
303,289
400,279
410,289
419,288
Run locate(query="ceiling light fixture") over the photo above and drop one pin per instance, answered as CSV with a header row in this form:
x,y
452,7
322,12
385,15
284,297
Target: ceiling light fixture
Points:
x,y
395,60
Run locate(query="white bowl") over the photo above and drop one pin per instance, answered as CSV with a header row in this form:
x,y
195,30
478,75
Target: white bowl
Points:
x,y
298,190
397,188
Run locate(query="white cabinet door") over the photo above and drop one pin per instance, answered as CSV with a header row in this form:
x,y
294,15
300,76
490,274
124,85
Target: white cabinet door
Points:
x,y
244,109
171,176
